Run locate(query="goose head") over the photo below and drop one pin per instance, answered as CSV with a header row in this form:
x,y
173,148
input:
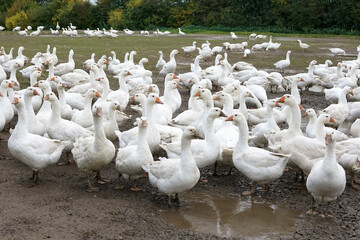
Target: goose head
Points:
x,y
237,118
153,98
216,112
115,106
51,97
92,93
310,113
326,118
190,132
153,88
139,97
31,91
97,111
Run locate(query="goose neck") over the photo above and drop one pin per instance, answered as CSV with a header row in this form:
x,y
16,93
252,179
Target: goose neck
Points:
x,y
295,119
100,136
330,157
21,125
28,106
55,113
242,143
319,130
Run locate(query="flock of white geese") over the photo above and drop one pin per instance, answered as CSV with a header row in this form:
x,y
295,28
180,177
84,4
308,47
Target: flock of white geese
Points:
x,y
74,111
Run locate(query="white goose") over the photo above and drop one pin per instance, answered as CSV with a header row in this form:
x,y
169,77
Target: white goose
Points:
x,y
303,155
34,125
161,62
130,160
205,152
95,152
62,129
67,67
189,49
129,137
302,45
341,110
35,151
84,117
6,108
170,66
173,176
282,64
327,179
259,165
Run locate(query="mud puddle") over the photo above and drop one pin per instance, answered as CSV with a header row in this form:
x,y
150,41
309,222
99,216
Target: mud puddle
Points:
x,y
232,216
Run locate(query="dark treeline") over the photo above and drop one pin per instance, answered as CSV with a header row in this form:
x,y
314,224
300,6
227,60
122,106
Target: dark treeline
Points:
x,y
301,16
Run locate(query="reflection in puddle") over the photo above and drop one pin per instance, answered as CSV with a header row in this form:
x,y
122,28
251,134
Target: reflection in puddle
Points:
x,y
229,216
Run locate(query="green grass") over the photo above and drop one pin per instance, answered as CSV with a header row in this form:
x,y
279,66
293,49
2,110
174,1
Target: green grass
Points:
x,y
149,47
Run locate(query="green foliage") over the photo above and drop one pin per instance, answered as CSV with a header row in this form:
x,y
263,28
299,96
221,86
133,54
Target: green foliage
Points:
x,y
307,16
19,19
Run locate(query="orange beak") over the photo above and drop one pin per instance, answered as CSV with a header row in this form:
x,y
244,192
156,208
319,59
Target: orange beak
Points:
x,y
46,97
217,98
305,114
222,114
132,98
158,100
10,85
129,73
36,85
52,79
301,108
281,100
97,94
197,94
231,118
15,100
302,80
35,92
39,69
332,120
63,85
175,77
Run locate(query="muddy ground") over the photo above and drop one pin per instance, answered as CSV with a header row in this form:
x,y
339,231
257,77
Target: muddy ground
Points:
x,y
60,208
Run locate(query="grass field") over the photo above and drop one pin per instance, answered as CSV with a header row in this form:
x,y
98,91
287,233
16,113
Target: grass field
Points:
x,y
149,46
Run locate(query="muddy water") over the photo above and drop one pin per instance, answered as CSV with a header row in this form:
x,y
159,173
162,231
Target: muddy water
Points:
x,y
232,216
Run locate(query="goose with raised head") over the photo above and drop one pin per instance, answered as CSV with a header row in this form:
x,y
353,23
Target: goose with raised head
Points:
x,y
34,125
320,128
35,151
129,137
130,160
84,118
341,110
257,164
173,176
89,62
5,103
189,49
327,179
303,155
121,95
205,152
65,109
261,129
186,117
93,153
67,67
310,127
282,64
62,129
161,62
20,59
170,66
45,110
